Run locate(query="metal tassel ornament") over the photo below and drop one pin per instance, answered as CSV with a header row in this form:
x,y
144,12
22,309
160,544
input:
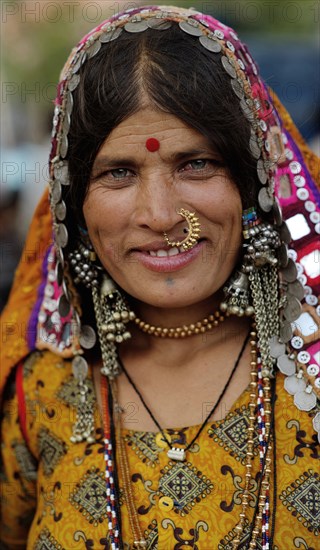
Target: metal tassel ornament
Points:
x,y
112,315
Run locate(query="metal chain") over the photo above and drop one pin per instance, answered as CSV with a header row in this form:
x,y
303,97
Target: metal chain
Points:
x,y
108,349
261,317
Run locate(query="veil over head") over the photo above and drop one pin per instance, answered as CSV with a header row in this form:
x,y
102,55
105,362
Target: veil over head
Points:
x,y
44,310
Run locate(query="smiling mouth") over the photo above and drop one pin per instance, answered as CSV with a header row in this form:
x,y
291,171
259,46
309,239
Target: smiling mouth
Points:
x,y
174,251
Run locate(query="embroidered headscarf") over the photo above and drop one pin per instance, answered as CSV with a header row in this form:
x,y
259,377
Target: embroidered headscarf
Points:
x,y
43,311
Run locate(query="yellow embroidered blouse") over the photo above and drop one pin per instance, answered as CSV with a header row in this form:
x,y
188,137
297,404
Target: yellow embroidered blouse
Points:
x,y
53,491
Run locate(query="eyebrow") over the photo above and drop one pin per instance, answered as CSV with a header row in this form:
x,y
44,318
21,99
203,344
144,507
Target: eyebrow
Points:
x,y
105,160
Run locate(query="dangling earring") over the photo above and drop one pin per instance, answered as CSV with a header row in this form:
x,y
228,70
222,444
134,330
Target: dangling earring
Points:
x,y
237,296
111,311
112,315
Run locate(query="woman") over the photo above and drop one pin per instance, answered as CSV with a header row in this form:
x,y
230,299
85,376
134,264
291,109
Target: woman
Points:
x,y
189,420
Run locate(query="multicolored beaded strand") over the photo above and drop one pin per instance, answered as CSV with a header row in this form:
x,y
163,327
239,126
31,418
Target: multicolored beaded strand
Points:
x,y
113,520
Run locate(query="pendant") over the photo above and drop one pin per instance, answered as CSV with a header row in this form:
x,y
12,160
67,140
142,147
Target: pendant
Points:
x,y
177,454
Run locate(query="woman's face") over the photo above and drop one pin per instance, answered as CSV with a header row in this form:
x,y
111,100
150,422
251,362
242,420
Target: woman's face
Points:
x,y
133,199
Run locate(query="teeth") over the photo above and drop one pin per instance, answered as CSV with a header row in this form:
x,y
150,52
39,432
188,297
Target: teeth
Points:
x,y
152,253
173,251
162,253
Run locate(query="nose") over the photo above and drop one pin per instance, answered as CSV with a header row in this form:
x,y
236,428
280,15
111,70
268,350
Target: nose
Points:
x,y
157,206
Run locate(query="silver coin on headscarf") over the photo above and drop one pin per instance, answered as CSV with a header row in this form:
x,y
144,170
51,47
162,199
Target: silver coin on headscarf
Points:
x,y
276,348
62,235
213,46
293,384
110,35
73,82
285,234
136,26
265,200
286,365
296,289
228,67
285,332
60,211
292,310
290,271
88,337
305,401
283,255
189,28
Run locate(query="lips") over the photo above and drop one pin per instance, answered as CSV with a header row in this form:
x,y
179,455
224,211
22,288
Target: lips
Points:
x,y
166,259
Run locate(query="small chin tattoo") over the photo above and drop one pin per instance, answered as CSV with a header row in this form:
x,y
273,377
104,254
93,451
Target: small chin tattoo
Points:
x,y
170,281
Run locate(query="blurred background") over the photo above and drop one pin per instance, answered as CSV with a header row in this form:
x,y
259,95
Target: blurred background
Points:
x,y
36,38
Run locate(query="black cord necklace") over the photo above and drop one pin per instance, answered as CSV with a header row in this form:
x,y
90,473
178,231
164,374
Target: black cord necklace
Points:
x,y
177,453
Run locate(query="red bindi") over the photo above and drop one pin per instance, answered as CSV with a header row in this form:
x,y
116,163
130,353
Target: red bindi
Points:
x,y
152,144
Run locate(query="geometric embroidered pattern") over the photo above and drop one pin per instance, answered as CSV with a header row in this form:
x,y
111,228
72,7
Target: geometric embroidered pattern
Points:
x,y
231,433
26,461
144,445
46,541
302,499
89,496
51,450
185,485
69,392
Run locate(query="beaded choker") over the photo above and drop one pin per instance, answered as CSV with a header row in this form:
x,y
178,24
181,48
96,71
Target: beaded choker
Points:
x,y
208,323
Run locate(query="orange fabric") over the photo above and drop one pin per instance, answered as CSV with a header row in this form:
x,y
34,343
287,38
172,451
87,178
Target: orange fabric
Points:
x,y
66,505
16,315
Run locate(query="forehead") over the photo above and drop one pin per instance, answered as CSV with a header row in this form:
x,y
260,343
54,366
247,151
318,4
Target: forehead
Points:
x,y
152,123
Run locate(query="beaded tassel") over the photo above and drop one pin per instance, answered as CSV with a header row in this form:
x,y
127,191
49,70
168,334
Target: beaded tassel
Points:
x,y
113,521
260,398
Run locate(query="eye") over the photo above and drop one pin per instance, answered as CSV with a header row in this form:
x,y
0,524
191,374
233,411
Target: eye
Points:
x,y
120,173
198,164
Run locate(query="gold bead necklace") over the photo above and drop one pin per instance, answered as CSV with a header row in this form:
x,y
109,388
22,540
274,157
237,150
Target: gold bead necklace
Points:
x,y
201,327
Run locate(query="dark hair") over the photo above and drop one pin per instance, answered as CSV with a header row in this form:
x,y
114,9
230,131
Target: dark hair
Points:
x,y
179,77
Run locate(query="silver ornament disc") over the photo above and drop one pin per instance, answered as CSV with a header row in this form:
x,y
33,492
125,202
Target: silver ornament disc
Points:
x,y
81,59
213,46
111,35
265,200
56,192
293,384
316,422
63,306
61,173
276,348
69,102
286,365
60,211
88,337
238,90
296,289
63,145
62,235
158,24
283,255
253,143
277,212
290,271
59,273
228,67
79,368
285,332
194,30
285,234
73,82
305,401
94,49
292,310
136,26
262,174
